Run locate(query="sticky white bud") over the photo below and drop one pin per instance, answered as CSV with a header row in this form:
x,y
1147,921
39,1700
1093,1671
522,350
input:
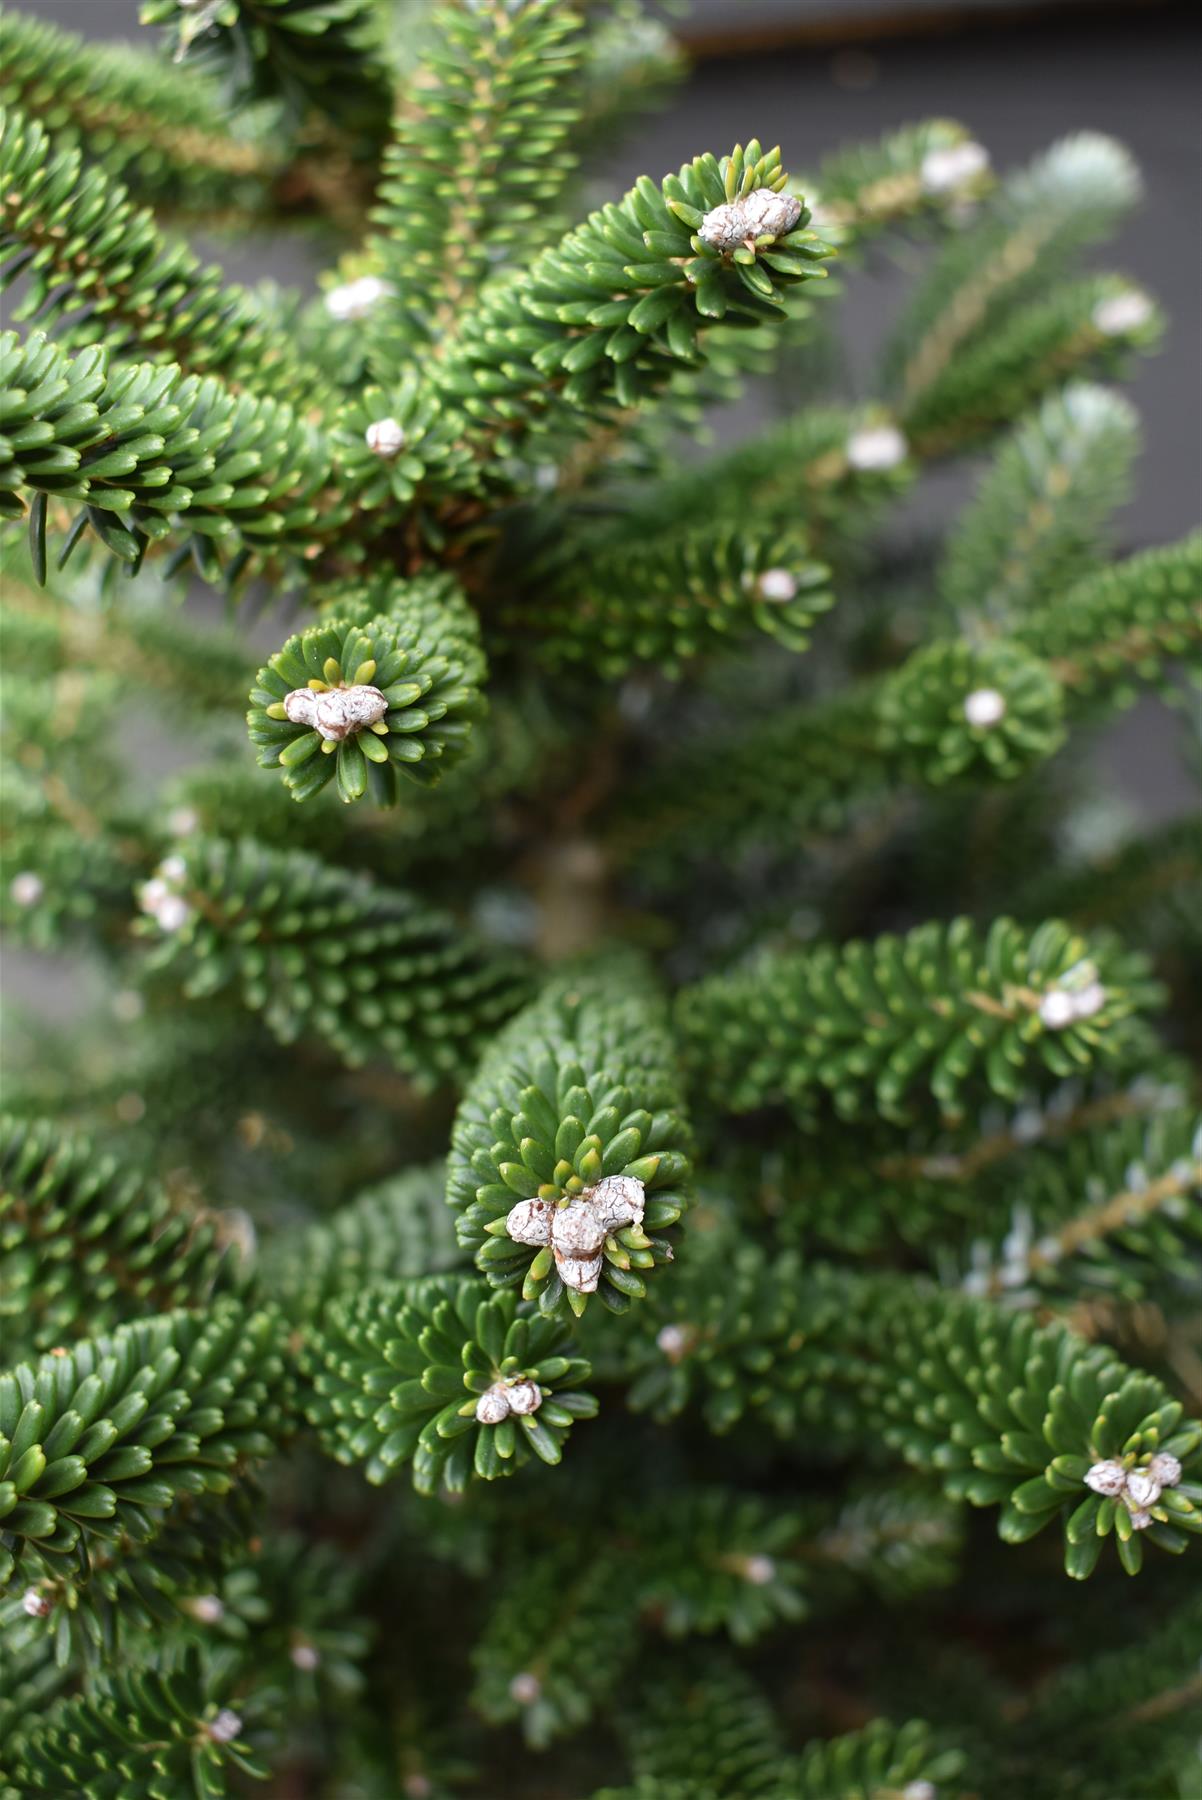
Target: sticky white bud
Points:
x,y
985,707
524,1397
305,1657
673,1340
577,1229
493,1405
416,1787
919,1790
1090,1000
760,1571
617,1200
770,212
386,437
1119,314
173,868
725,227
26,889
952,166
173,912
1106,1478
1140,1519
525,1688
152,893
338,712
1143,1489
209,1609
779,585
1057,1009
876,447
355,299
225,1727
582,1273
1165,1468
37,1604
182,821
529,1222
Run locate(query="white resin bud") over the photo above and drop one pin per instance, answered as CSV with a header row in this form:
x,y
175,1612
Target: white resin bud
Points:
x,y
985,707
305,1657
225,1727
617,1200
767,211
1106,1478
493,1406
778,585
919,1790
386,437
673,1340
173,868
760,1571
338,712
36,1604
524,1397
1119,314
581,1273
952,166
1143,1489
342,711
416,1787
355,299
875,448
577,1229
725,227
529,1222
1090,1000
209,1609
173,912
1140,1519
1165,1468
525,1688
1057,1009
182,821
26,889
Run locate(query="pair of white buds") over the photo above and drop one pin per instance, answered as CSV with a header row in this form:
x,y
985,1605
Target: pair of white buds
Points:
x,y
876,448
336,713
577,1232
1139,1489
355,299
949,167
159,896
1078,995
763,213
505,1397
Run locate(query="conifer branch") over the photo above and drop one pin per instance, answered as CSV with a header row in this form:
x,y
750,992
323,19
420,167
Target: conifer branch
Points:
x,y
99,1440
95,266
597,322
366,969
159,128
489,111
86,1244
324,56
893,1025
143,446
574,1114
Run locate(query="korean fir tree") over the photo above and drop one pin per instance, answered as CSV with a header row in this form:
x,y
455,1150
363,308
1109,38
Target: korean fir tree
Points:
x,y
603,1197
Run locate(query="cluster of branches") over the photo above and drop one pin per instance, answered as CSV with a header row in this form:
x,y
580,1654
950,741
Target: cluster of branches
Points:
x,y
902,1193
